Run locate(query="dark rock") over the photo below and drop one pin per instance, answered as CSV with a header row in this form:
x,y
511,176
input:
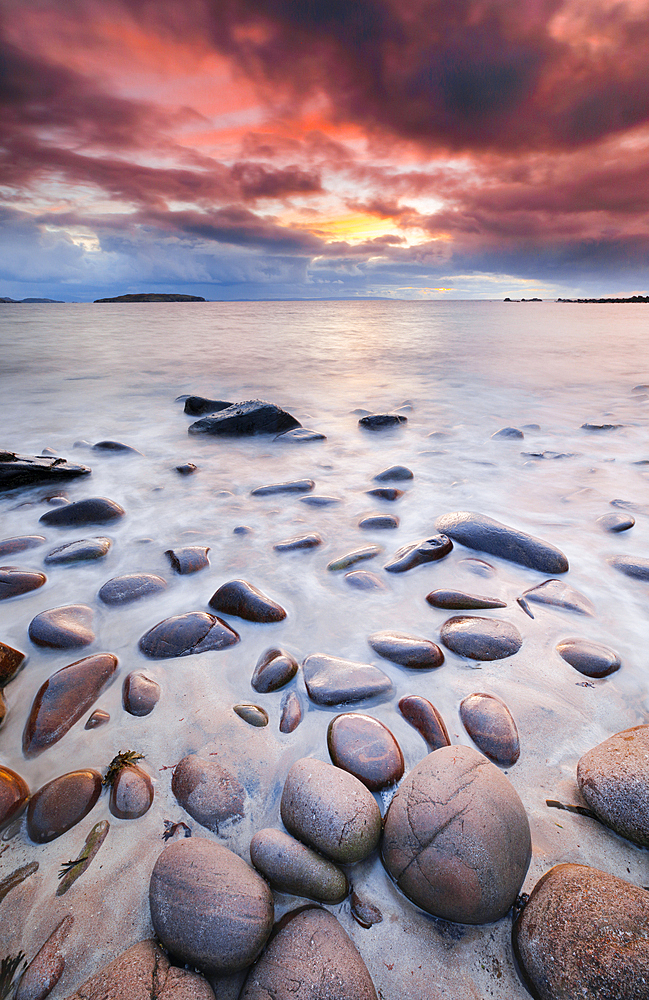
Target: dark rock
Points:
x,y
300,435
480,638
207,791
140,694
64,698
188,469
385,493
457,840
358,555
189,559
616,522
115,447
63,628
240,598
183,635
197,406
11,660
208,907
61,804
366,748
274,668
310,541
491,726
131,587
362,579
374,522
319,500
9,546
14,792
424,717
26,470
589,658
332,681
242,529
477,531
382,421
417,553
80,551
584,933
395,474
613,777
508,432
601,427
15,581
456,600
310,958
291,713
45,969
93,510
557,594
98,718
406,650
633,566
131,793
252,714
243,419
292,867
330,810
364,913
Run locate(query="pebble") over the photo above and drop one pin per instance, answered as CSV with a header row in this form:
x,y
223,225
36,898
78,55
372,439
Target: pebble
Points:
x,y
275,668
616,522
188,469
584,933
382,421
362,579
62,803
292,867
320,500
9,546
242,599
184,635
254,416
633,566
557,594
252,714
131,793
82,550
208,907
613,777
378,522
131,587
456,600
589,658
385,493
300,435
477,531
395,474
457,839
424,717
297,486
491,726
207,791
366,748
189,559
98,718
140,694
64,698
330,810
358,555
310,958
310,541
417,553
290,713
364,913
63,628
93,510
406,650
331,680
14,792
196,406
15,581
45,969
480,638
11,661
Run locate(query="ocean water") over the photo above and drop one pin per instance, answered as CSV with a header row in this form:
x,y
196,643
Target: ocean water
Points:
x,y
459,371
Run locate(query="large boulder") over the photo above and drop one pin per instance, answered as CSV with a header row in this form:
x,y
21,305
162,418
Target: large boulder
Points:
x,y
255,416
613,777
143,972
477,531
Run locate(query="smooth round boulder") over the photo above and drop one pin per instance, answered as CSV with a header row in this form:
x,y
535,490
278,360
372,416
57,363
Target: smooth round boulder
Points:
x,y
424,717
241,599
63,628
140,694
208,907
131,793
14,792
330,810
491,726
584,933
131,587
83,550
15,581
93,510
456,839
184,635
589,658
480,638
253,416
207,791
292,867
613,777
407,650
275,668
366,748
62,803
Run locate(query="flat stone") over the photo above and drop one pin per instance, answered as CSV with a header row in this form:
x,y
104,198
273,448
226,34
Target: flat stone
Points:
x,y
184,635
252,714
242,599
131,793
299,542
457,600
26,470
83,550
45,969
584,933
254,416
208,907
310,958
480,638
378,522
64,698
358,555
417,553
331,680
330,810
615,522
98,718
140,694
395,474
11,661
636,567
601,427
296,486
508,432
362,579
292,867
390,493
93,510
62,803
131,587
196,406
300,435
589,658
208,792
407,650
491,726
9,546
275,668
613,777
456,839
424,717
63,628
557,594
477,531
188,559
14,792
15,581
290,713
366,748
382,421
320,500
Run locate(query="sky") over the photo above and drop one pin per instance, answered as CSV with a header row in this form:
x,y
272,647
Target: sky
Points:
x,y
281,149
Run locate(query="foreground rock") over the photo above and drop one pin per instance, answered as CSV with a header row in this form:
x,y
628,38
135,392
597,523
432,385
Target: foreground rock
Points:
x,y
26,470
184,635
83,550
457,840
61,804
613,777
240,598
331,680
428,550
140,694
207,791
14,792
208,907
93,510
310,958
477,531
366,748
491,726
15,581
480,638
292,867
254,416
63,628
589,658
46,968
584,933
406,650
131,587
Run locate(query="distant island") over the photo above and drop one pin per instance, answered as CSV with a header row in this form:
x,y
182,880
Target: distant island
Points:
x,y
5,298
522,300
154,297
632,298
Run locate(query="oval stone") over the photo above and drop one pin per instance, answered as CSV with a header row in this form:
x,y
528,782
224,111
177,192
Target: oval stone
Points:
x,y
275,668
296,486
115,447
252,714
636,567
456,600
291,713
378,522
46,968
395,474
240,598
613,777
418,553
140,694
93,510
424,717
406,650
14,792
131,587
11,661
189,559
457,840
310,541
382,421
362,579
15,581
390,493
183,635
83,550
480,638
131,793
293,867
589,658
331,680
616,522
491,726
366,748
358,555
208,907
330,810
207,791
320,500
9,546
477,531
63,628
61,804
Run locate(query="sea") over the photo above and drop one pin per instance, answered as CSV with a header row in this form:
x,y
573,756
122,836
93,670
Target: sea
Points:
x,y
76,374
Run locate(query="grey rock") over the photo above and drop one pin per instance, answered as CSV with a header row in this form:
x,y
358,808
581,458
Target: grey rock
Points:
x,y
378,522
208,792
45,969
362,579
331,680
613,777
390,493
62,803
290,713
131,793
480,638
26,470
320,500
140,694
131,587
491,726
296,486
196,406
601,427
242,599
274,668
616,522
364,912
351,558
243,419
382,421
300,435
84,549
299,542
292,867
636,567
508,432
589,658
395,474
188,559
187,469
457,600
63,628
93,510
184,635
406,650
477,531
417,553
115,447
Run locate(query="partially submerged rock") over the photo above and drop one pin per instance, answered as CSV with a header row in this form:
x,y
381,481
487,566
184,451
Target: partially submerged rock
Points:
x,y
294,486
82,550
589,658
480,638
382,421
15,581
366,748
424,717
188,558
196,406
20,543
557,594
407,650
331,680
457,600
63,628
275,668
429,550
45,969
131,793
131,587
62,803
477,531
613,777
14,792
184,635
27,470
491,726
140,694
92,510
636,567
243,600
254,416
11,660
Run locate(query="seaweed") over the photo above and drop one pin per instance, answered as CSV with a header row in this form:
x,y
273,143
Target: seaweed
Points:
x,y
9,967
125,758
71,870
580,810
20,874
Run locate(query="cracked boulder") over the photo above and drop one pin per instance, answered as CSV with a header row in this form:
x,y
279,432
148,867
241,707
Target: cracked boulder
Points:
x,y
143,972
182,635
457,840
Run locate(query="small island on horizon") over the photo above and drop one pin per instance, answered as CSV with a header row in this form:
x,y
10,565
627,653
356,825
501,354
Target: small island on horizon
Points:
x,y
154,297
